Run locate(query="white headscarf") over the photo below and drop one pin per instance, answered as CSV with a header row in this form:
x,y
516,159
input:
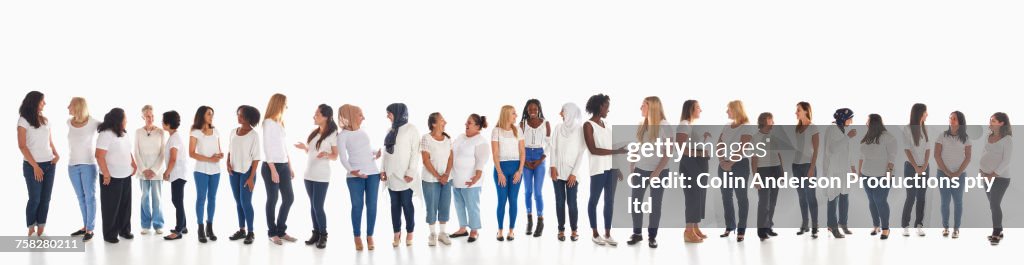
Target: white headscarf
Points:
x,y
572,121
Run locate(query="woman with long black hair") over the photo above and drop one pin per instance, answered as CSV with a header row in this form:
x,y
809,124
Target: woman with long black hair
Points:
x,y
877,155
40,157
321,148
116,163
995,166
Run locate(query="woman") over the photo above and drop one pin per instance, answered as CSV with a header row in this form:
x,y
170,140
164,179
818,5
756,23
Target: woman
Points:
x,y
734,168
40,158
691,165
598,137
804,167
243,159
838,164
363,177
995,167
918,151
175,170
321,147
400,169
769,169
149,147
536,135
953,154
469,157
82,163
114,156
277,170
877,155
436,150
204,147
652,129
508,150
566,165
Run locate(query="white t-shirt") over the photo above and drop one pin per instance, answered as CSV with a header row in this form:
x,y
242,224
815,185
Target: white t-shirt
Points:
x,y
878,156
471,154
38,140
508,143
771,147
243,150
119,153
649,163
174,141
953,153
207,145
439,152
354,152
319,169
149,152
81,143
805,144
602,139
922,146
273,142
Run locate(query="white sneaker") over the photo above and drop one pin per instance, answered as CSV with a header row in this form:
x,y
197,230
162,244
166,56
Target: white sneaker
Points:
x,y
956,234
145,231
610,241
444,239
433,240
159,231
599,241
920,231
906,231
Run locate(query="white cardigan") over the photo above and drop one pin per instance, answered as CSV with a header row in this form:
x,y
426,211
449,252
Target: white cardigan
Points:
x,y
405,160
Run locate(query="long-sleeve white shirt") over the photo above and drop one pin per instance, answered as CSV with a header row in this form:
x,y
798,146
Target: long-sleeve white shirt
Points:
x,y
405,160
355,153
149,153
876,157
567,152
274,150
996,157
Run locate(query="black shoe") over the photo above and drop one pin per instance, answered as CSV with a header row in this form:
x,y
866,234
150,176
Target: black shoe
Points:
x,y
209,231
652,243
127,235
803,229
240,234
846,230
202,234
540,227
634,239
739,237
79,233
184,230
529,224
457,235
248,238
322,241
814,232
112,240
86,237
836,233
561,236
471,239
313,239
772,232
175,234
884,236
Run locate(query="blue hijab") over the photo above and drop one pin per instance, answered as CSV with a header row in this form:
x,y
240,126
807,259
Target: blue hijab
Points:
x,y
401,114
841,116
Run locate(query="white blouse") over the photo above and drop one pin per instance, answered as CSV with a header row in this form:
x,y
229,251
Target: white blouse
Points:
x,y
174,142
471,154
243,150
81,143
602,139
877,157
274,149
439,152
996,157
149,152
207,145
567,152
405,160
355,154
536,137
508,143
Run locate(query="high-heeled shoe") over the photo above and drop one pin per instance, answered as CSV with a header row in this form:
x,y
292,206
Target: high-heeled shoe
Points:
x,y
836,233
726,234
885,235
803,229
359,244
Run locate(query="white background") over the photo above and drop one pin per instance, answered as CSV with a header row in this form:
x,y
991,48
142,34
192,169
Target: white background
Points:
x,y
458,57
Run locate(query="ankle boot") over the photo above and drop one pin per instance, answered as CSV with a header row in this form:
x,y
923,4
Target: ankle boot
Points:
x,y
540,227
313,239
322,242
209,231
529,224
202,234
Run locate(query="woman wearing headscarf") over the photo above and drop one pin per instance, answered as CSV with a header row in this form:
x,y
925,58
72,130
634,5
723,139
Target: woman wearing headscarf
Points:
x,y
839,163
566,165
400,169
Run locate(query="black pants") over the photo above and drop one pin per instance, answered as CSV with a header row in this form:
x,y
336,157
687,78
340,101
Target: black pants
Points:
x,y
178,199
695,196
995,199
656,197
767,197
915,198
116,207
276,226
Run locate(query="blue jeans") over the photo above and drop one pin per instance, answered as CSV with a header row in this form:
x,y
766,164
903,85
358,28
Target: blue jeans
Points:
x,y
317,192
38,193
806,196
206,190
878,203
509,194
363,192
467,206
740,169
83,180
604,182
957,196
152,215
401,203
438,199
842,202
276,223
243,198
534,179
565,195
915,197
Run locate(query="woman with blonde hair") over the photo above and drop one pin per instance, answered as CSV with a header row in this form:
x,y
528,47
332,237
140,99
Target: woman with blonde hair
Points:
x,y
732,168
277,170
653,127
508,151
82,165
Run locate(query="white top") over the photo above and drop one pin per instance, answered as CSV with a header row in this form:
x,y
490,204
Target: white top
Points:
x,y
207,145
878,156
922,146
81,142
119,153
149,152
732,135
602,139
996,157
536,137
38,140
439,152
838,159
319,169
354,153
273,142
508,143
405,160
805,144
771,147
953,151
695,134
567,152
650,163
243,150
471,154
174,141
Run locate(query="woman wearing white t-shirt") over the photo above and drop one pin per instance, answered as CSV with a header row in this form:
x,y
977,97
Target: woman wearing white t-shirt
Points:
x,y
82,163
470,155
805,167
508,149
114,156
692,165
567,152
40,158
401,168
243,159
174,151
732,168
877,157
838,163
995,166
204,147
149,145
436,149
321,148
953,154
653,128
363,177
918,149
768,169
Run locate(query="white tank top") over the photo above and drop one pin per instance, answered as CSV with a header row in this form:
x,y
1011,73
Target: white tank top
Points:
x,y
603,140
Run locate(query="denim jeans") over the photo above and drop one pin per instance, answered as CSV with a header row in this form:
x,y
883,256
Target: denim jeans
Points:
x,y
206,195
740,169
83,181
401,204
915,197
566,196
467,207
317,192
878,204
362,192
152,214
604,182
509,194
276,222
38,206
841,204
806,196
767,198
957,196
534,181
438,199
243,198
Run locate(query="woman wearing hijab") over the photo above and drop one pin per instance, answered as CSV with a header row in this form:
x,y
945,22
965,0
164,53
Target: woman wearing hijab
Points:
x,y
839,163
400,169
566,165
